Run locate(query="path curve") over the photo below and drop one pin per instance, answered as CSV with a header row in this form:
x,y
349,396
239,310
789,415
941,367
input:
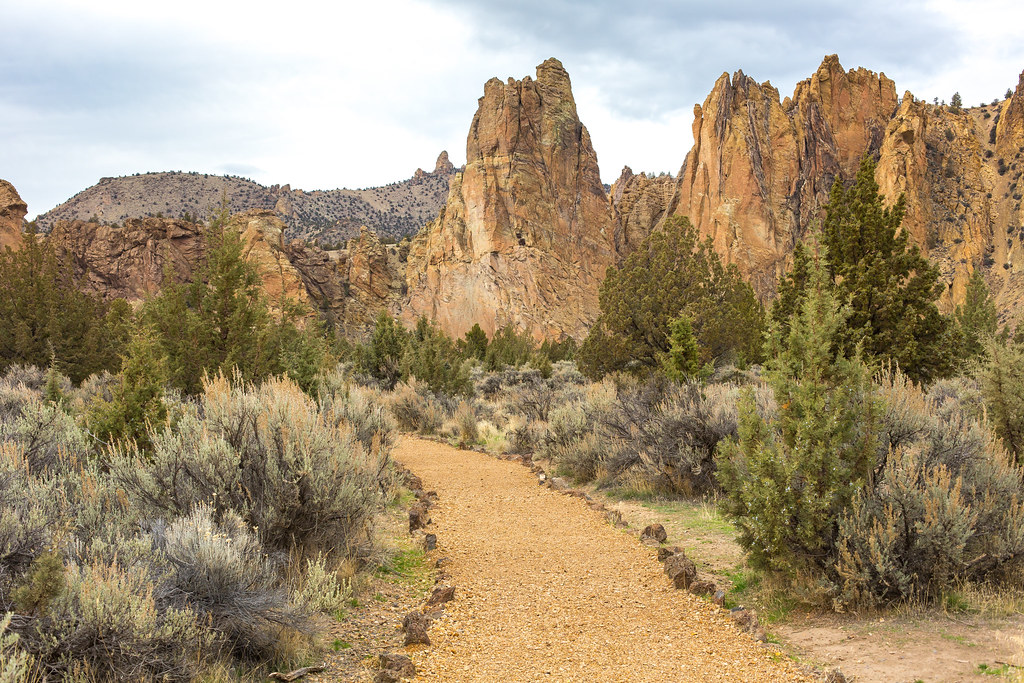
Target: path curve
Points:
x,y
546,590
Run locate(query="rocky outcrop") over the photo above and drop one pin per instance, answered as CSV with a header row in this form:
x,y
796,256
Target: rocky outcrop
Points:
x,y
129,261
526,234
263,245
12,216
761,168
639,202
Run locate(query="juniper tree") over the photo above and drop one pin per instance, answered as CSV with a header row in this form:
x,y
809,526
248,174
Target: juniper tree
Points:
x,y
891,288
786,481
672,273
48,320
976,318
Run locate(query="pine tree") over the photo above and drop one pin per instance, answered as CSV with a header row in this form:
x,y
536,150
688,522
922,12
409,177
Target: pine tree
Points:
x,y
956,104
786,482
891,287
671,273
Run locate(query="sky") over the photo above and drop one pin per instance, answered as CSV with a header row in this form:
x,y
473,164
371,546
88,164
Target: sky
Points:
x,y
356,94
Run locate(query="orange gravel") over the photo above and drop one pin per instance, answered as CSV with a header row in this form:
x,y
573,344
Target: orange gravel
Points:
x,y
546,590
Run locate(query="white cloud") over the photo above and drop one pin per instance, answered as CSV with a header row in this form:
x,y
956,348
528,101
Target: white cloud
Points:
x,y
322,95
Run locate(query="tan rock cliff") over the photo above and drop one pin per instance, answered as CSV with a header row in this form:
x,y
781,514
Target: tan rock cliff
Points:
x,y
526,234
12,216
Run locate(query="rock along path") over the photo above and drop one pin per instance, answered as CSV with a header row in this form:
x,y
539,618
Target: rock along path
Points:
x,y
547,590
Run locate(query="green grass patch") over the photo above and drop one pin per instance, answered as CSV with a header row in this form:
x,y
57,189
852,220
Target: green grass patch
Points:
x,y
407,566
993,670
338,645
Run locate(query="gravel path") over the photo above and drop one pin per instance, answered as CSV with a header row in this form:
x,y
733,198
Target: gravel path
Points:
x,y
546,590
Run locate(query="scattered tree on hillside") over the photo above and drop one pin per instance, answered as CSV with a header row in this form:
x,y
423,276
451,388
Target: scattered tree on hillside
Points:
x,y
474,345
956,104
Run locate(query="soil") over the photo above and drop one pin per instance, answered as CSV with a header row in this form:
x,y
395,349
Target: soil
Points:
x,y
926,645
547,590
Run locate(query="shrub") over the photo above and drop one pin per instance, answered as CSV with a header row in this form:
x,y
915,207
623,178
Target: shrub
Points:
x,y
106,624
33,517
15,663
45,434
432,358
416,409
362,410
466,423
321,590
946,504
219,571
297,474
666,434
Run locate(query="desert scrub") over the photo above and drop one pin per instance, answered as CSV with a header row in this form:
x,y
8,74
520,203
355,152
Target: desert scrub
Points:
x,y
416,409
945,505
106,624
220,571
301,477
321,589
466,428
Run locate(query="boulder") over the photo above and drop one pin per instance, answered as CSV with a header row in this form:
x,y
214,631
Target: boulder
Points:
x,y
681,570
415,626
654,531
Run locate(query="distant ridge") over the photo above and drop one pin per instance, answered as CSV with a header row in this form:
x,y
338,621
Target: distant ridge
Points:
x,y
327,216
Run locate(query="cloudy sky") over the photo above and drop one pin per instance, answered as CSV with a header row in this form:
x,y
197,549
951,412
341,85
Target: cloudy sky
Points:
x,y
345,94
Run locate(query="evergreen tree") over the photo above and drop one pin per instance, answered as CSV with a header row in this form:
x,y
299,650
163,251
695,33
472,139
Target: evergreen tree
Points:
x,y
475,343
786,482
792,289
46,318
956,104
671,273
137,404
433,358
509,348
976,319
683,359
891,287
382,358
220,321
1002,387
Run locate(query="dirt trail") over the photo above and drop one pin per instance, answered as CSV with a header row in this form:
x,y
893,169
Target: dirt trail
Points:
x,y
546,590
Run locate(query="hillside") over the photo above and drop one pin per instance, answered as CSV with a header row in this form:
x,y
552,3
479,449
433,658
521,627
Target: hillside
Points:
x,y
328,216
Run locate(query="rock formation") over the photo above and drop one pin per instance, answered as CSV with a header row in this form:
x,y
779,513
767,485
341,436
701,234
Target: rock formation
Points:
x,y
263,245
12,216
130,261
761,168
526,234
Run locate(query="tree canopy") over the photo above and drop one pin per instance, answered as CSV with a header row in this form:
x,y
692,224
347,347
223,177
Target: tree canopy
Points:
x,y
671,274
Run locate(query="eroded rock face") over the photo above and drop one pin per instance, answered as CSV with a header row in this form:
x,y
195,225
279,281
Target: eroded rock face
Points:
x,y
526,235
129,261
263,245
761,168
638,203
12,216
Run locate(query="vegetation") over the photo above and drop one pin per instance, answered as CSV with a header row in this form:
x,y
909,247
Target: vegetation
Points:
x,y
890,287
48,320
787,480
672,273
